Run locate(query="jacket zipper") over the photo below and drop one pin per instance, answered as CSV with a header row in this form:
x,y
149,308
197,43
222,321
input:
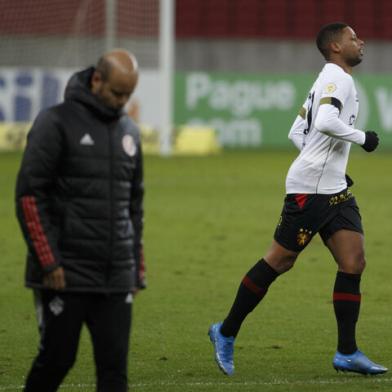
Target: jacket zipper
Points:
x,y
111,204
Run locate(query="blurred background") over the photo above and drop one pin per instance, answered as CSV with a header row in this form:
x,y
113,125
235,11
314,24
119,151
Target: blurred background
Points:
x,y
231,73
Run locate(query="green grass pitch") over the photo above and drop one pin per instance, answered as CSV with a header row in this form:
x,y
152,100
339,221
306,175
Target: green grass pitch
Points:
x,y
207,221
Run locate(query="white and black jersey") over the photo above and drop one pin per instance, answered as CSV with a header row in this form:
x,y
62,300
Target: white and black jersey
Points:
x,y
324,131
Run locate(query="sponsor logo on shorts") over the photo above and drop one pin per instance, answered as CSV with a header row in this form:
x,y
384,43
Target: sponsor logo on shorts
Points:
x,y
342,197
303,236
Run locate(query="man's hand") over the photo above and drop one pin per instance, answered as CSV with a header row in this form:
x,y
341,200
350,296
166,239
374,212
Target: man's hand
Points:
x,y
141,273
371,141
55,279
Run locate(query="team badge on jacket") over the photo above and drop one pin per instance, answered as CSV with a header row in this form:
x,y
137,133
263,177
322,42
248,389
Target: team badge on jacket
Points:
x,y
303,236
129,145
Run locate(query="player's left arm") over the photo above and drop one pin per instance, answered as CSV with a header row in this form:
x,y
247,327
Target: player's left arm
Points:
x,y
328,122
334,97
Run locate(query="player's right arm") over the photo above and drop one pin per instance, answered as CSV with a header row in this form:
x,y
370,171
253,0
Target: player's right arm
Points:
x,y
302,123
296,134
34,187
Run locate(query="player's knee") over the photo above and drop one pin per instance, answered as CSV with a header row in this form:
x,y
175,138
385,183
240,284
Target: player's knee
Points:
x,y
283,263
280,258
361,264
355,264
288,263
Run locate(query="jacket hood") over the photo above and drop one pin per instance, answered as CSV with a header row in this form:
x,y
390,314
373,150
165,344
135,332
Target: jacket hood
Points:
x,y
79,89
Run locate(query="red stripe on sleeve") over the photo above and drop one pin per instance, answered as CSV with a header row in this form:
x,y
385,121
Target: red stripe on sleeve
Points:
x,y
346,297
34,227
259,291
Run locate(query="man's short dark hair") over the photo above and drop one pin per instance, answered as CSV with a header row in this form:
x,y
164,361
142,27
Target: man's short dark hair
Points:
x,y
329,33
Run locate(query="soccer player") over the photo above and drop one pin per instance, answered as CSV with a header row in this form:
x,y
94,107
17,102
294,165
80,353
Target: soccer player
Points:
x,y
317,201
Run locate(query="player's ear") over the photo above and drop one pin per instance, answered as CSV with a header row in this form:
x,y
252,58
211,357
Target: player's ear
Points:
x,y
96,81
335,47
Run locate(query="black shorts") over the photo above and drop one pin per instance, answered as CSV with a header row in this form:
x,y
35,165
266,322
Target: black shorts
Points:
x,y
305,215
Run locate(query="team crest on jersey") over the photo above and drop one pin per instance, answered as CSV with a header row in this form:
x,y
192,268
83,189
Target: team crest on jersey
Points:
x,y
303,236
129,145
330,88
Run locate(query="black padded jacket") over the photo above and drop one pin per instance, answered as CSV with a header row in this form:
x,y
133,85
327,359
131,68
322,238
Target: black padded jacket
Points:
x,y
79,194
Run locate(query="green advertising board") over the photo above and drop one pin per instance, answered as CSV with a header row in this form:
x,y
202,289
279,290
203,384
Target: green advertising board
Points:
x,y
258,110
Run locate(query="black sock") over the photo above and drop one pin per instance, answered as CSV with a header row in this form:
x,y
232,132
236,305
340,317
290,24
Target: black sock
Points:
x,y
252,289
346,302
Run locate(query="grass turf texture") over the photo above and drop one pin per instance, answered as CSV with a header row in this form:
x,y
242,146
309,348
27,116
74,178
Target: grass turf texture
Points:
x,y
207,221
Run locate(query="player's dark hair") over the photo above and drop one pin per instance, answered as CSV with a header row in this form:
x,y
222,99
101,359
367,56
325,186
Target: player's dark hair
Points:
x,y
104,67
329,33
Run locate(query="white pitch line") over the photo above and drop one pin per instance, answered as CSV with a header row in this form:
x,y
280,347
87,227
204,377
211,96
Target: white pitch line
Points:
x,y
367,380
373,380
64,386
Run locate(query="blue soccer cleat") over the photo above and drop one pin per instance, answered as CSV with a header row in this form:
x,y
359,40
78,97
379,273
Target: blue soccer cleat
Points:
x,y
357,362
224,348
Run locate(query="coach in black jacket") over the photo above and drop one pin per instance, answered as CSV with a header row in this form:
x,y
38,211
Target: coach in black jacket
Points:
x,y
79,203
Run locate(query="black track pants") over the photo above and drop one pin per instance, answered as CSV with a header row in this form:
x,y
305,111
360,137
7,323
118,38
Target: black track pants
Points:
x,y
60,318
